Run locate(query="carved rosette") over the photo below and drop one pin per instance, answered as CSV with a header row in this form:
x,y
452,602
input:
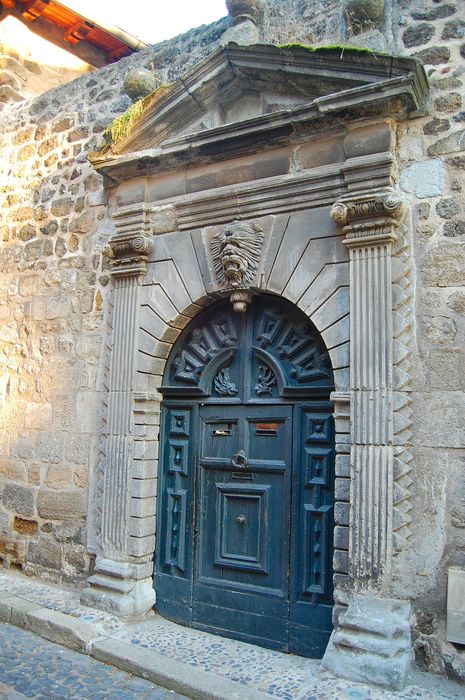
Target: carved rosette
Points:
x,y
236,251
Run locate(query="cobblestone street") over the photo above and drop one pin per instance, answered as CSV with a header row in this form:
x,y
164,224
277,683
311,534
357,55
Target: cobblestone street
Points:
x,y
31,667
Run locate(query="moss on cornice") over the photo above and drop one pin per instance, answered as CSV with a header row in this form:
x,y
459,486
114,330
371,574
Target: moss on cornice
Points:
x,y
341,48
121,126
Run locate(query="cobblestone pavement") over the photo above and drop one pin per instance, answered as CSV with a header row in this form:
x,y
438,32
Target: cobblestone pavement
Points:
x,y
31,667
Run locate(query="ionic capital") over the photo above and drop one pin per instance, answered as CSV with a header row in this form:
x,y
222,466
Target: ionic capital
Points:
x,y
369,217
130,248
128,254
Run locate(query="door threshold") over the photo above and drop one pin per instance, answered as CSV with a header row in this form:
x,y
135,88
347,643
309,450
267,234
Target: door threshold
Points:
x,y
269,673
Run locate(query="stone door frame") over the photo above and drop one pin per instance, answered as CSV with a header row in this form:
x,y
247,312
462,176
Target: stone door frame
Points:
x,y
364,411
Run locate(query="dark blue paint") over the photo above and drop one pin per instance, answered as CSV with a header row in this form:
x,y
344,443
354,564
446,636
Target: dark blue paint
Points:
x,y
245,522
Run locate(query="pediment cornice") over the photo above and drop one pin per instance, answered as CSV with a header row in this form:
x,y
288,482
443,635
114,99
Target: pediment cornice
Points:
x,y
321,91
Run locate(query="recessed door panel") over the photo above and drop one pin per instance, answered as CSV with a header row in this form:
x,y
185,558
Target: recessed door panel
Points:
x,y
243,525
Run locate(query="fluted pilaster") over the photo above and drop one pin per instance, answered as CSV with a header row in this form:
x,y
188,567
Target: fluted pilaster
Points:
x,y
369,222
121,584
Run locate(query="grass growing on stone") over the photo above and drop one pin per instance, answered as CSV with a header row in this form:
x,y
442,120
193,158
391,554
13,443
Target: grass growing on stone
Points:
x,y
121,127
343,48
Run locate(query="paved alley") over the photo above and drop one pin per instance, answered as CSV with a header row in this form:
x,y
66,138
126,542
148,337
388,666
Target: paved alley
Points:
x,y
31,667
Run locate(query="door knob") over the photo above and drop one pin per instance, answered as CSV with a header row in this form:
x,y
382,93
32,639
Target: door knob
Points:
x,y
241,519
239,460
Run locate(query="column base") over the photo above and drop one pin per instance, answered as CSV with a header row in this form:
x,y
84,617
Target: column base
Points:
x,y
116,589
372,642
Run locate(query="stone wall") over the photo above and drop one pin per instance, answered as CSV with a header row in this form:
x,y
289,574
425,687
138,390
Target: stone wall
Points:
x,y
54,292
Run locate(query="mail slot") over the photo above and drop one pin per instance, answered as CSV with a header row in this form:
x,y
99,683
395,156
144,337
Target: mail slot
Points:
x,y
266,428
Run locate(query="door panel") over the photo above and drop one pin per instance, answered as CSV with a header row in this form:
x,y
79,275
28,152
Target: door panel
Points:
x,y
173,566
242,550
311,602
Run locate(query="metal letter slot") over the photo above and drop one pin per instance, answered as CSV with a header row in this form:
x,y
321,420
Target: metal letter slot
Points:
x,y
266,429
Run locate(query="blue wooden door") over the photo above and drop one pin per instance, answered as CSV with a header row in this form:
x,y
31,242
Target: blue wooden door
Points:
x,y
241,577
245,520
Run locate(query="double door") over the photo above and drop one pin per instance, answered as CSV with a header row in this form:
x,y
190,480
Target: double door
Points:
x,y
246,522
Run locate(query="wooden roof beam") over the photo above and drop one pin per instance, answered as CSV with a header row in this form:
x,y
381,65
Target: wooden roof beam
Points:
x,y
77,32
118,53
33,9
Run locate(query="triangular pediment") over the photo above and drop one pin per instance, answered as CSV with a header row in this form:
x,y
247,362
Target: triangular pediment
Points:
x,y
247,91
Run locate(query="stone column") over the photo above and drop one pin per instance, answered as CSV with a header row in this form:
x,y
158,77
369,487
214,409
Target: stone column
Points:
x,y
373,623
122,583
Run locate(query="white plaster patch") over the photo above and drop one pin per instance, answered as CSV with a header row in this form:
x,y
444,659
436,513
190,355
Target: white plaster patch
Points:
x,y
425,179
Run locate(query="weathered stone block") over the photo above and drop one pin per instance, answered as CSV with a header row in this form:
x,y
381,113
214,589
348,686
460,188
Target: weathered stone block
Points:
x,y
131,193
26,152
371,642
38,416
12,548
341,537
454,29
444,266
443,420
63,124
78,134
444,368
70,532
19,498
12,469
60,628
59,476
441,330
25,527
450,144
62,207
425,179
341,561
456,605
418,34
448,103
61,505
341,513
434,12
82,223
433,55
